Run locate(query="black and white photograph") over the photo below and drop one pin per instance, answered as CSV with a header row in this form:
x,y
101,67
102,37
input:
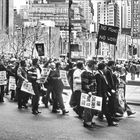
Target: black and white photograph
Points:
x,y
69,69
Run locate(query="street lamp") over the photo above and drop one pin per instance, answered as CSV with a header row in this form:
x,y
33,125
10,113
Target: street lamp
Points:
x,y
69,16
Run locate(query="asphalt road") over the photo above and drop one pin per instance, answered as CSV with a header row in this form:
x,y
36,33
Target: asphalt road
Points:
x,y
22,125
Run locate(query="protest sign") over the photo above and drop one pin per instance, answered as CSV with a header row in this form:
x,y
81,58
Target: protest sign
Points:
x,y
92,102
108,34
3,78
40,48
12,83
27,87
63,76
44,75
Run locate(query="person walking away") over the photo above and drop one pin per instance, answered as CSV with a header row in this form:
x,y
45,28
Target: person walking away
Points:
x,y
22,76
132,70
138,69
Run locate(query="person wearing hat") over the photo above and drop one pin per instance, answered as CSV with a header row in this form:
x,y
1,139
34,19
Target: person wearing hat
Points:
x,y
89,87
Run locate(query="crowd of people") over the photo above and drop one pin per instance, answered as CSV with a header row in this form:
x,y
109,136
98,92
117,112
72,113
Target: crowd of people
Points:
x,y
103,79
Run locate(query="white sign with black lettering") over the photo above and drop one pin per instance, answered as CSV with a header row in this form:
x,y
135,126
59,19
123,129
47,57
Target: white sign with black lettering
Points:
x,y
27,87
63,76
92,102
12,83
3,78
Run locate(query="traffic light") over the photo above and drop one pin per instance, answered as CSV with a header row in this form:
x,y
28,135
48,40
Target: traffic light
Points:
x,y
134,50
130,49
70,3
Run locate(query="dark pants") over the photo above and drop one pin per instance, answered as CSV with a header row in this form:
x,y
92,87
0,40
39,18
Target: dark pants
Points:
x,y
13,94
111,104
21,98
35,99
46,98
1,93
106,111
58,99
78,108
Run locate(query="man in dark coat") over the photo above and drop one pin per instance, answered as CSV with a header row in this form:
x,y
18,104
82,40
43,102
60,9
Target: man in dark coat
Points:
x,y
102,90
111,87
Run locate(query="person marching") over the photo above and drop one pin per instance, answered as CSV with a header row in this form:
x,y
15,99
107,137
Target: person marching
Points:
x,y
22,76
2,68
34,74
102,90
89,87
58,89
77,88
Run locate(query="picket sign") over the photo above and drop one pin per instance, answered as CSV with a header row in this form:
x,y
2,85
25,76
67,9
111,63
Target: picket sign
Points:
x,y
63,75
45,71
92,102
121,97
12,83
44,75
27,87
3,78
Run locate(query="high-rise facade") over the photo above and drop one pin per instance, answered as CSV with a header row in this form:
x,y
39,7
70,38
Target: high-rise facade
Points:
x,y
126,14
135,6
108,13
6,15
88,10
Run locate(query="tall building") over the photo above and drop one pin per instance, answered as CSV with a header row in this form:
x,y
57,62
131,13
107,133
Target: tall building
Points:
x,y
126,14
135,5
6,15
108,13
88,10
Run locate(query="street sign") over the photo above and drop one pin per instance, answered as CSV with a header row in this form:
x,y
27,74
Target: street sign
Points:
x,y
78,21
136,35
126,31
72,13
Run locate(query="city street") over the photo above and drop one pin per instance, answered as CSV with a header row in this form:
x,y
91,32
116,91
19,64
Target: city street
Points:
x,y
22,125
48,44
133,90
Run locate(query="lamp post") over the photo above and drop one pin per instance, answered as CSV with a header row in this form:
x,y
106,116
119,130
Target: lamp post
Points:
x,y
69,17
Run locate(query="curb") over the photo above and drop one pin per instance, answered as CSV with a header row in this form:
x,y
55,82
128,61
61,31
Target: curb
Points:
x,y
133,103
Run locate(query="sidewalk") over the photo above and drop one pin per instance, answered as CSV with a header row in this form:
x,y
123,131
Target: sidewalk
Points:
x,y
133,90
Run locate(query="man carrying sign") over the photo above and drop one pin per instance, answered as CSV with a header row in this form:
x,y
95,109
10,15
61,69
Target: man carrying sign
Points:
x,y
34,74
